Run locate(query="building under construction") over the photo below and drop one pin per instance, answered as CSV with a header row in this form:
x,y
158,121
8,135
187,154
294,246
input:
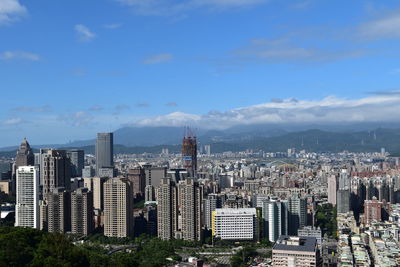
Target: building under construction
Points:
x,y
189,152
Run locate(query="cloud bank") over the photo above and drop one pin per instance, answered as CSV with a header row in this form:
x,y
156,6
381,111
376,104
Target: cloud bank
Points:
x,y
331,109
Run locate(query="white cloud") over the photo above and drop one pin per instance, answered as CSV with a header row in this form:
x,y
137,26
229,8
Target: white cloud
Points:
x,y
387,26
173,7
10,55
157,59
32,109
10,11
379,108
84,34
13,121
282,50
77,119
112,26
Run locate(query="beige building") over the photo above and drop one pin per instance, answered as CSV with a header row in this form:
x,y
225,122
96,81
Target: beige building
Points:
x,y
166,209
96,185
82,222
118,208
190,201
5,186
292,251
179,210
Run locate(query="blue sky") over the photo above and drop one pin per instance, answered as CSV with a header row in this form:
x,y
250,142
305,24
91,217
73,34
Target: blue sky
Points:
x,y
69,69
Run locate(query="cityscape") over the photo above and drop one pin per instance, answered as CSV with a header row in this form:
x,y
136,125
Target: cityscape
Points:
x,y
200,133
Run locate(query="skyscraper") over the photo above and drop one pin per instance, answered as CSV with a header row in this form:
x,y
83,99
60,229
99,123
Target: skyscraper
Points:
x,y
82,211
372,210
332,189
212,202
104,151
55,170
137,177
189,152
96,186
59,210
275,215
25,156
166,209
190,201
118,210
77,159
297,214
27,202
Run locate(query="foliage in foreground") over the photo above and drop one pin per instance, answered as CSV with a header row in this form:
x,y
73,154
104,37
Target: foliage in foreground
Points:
x,y
29,247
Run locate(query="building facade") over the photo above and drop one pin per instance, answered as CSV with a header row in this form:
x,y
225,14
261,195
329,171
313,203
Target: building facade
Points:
x,y
82,222
104,151
27,199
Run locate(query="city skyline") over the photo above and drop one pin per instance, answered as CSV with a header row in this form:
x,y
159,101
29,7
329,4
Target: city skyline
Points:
x,y
212,64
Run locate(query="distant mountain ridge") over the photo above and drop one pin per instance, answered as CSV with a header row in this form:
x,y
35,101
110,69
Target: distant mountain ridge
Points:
x,y
310,140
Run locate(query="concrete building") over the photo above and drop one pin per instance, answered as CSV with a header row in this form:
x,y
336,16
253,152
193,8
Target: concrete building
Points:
x,y
310,231
82,222
137,177
190,201
77,159
59,210
96,185
275,215
212,202
104,151
332,189
235,224
297,208
88,172
291,251
118,208
154,174
166,209
27,200
25,156
372,210
343,200
150,193
55,170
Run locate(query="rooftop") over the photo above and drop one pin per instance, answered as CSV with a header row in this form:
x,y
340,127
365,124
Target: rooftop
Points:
x,y
296,243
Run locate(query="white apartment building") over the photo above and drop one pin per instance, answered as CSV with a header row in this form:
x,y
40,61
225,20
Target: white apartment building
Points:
x,y
235,224
27,207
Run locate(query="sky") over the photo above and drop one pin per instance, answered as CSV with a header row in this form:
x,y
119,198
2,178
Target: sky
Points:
x,y
69,69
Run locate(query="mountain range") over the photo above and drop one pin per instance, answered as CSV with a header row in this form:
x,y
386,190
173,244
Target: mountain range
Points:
x,y
357,138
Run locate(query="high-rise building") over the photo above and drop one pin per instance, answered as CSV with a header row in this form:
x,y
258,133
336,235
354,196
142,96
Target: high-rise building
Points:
x,y
189,152
235,224
190,201
137,177
25,156
166,209
96,185
118,208
332,189
88,172
275,215
150,193
154,174
343,200
104,151
207,149
82,222
212,202
293,251
372,210
27,201
297,208
55,170
58,210
77,159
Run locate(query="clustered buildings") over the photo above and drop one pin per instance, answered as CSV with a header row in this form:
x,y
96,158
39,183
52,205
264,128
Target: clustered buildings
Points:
x,y
246,196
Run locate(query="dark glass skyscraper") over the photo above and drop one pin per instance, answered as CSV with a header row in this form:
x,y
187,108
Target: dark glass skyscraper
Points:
x,y
104,151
